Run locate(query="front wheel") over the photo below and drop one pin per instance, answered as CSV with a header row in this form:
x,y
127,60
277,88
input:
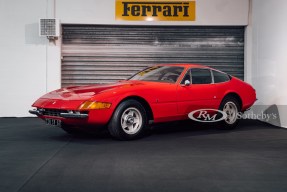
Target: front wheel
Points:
x,y
231,108
129,121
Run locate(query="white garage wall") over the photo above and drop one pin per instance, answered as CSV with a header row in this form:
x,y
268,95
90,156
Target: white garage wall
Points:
x,y
24,60
208,12
269,55
23,56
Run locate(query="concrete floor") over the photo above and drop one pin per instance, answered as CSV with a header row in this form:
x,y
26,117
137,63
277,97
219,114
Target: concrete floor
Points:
x,y
36,157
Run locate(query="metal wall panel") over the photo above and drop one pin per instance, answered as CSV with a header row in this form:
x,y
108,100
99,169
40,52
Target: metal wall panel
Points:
x,y
102,54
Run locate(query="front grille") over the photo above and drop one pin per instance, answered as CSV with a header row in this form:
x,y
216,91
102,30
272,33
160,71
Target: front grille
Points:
x,y
53,112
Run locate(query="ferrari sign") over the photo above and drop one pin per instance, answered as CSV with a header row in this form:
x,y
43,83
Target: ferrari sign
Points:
x,y
148,10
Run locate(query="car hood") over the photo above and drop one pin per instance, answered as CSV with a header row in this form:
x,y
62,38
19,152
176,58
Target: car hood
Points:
x,y
86,92
70,98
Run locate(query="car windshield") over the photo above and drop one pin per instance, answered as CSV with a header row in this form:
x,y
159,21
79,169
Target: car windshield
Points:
x,y
167,74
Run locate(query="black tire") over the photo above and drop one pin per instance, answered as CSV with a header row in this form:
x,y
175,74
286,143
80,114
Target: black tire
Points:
x,y
232,120
129,121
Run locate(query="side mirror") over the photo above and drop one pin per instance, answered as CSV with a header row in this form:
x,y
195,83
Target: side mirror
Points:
x,y
186,83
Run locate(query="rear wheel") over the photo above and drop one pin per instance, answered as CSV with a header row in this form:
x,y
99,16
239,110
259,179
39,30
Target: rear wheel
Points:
x,y
231,107
129,121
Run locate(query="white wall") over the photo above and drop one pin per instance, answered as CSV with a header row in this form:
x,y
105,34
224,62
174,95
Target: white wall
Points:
x,y
208,12
269,55
30,65
23,56
25,72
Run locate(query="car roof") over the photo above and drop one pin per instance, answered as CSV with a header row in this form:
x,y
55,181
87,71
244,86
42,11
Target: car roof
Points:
x,y
189,65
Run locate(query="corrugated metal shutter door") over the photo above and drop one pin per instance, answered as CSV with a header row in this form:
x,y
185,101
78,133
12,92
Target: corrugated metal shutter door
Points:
x,y
101,54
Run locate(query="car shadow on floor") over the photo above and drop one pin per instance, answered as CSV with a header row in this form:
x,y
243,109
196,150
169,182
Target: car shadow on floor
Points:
x,y
174,130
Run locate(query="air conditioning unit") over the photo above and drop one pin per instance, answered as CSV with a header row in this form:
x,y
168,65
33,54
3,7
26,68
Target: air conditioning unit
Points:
x,y
49,28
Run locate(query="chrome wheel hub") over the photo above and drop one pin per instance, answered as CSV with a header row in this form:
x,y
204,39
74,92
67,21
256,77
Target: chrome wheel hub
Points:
x,y
131,120
231,111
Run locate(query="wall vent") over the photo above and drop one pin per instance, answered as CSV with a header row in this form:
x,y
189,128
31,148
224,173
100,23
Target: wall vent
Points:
x,y
49,28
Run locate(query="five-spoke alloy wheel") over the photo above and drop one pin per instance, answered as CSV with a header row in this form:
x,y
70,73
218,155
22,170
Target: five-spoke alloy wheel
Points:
x,y
231,111
231,107
129,120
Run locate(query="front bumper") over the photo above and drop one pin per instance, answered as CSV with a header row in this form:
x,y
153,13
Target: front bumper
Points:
x,y
70,114
74,115
36,112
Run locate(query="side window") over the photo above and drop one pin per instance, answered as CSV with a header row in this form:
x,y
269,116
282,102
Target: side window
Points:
x,y
220,77
201,76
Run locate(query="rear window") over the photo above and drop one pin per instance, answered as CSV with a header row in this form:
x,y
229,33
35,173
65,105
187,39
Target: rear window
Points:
x,y
220,77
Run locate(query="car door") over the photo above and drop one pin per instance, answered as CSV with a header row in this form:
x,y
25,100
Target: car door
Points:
x,y
201,93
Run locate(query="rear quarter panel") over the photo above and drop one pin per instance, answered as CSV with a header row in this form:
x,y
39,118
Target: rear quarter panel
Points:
x,y
242,89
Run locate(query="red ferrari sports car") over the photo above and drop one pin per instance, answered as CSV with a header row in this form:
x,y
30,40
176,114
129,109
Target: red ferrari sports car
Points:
x,y
160,93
